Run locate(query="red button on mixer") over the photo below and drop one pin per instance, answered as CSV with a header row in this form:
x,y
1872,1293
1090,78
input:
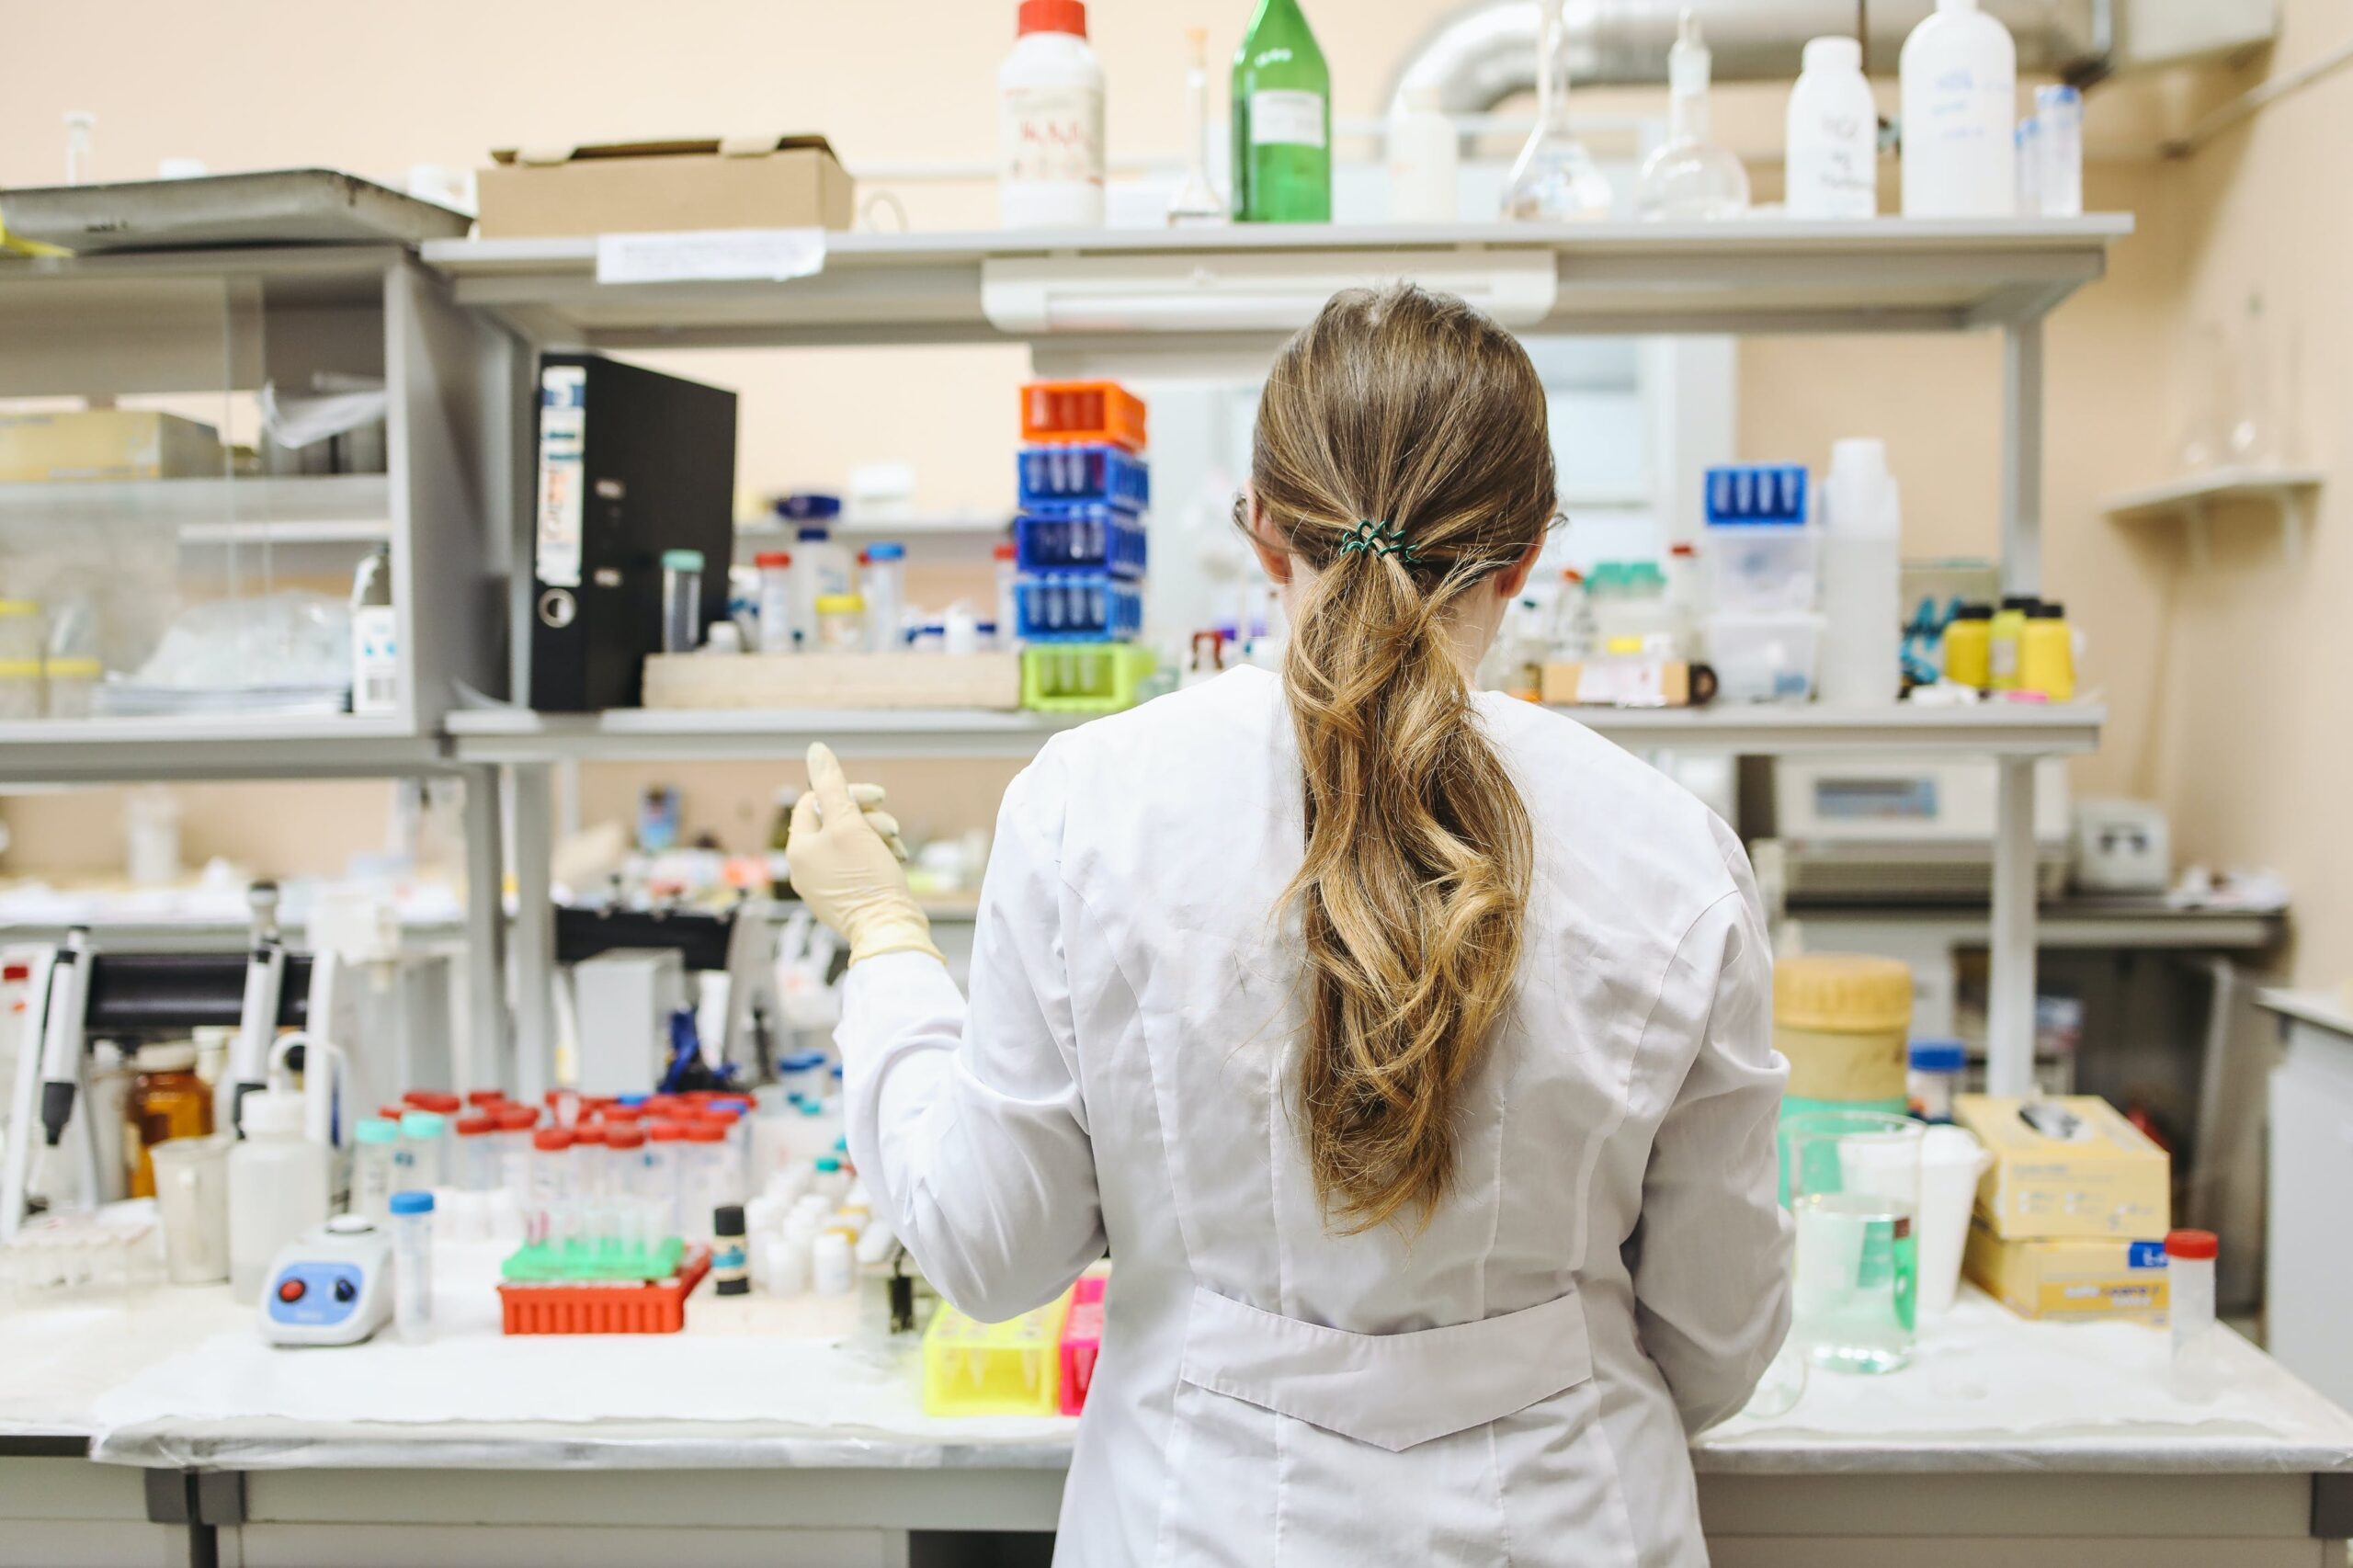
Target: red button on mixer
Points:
x,y
290,1290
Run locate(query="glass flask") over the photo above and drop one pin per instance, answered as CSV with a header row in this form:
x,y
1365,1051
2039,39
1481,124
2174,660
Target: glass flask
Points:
x,y
1196,200
1554,179
1690,177
1854,1179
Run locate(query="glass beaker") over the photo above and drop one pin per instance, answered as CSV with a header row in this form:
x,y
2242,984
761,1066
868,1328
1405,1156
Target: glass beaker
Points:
x,y
1854,1181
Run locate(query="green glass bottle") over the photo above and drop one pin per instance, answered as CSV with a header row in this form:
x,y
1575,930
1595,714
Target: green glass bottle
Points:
x,y
1282,121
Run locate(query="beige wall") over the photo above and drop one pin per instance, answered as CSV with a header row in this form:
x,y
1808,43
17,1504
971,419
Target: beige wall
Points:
x,y
2224,681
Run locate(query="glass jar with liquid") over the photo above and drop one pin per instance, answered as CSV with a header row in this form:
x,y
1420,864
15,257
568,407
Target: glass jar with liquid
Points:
x,y
167,1100
1854,1180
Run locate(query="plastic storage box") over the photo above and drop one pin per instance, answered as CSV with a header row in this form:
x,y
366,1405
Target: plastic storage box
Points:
x,y
1082,411
1051,476
1763,657
994,1369
1092,607
1085,677
1096,538
1769,568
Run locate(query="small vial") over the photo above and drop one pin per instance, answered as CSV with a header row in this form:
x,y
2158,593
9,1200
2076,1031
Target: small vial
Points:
x,y
2059,152
478,1169
779,635
702,1178
1009,572
885,588
591,1174
412,1216
681,600
625,1172
424,1135
375,1150
2197,1341
728,1256
833,1182
552,1194
514,1125
666,1144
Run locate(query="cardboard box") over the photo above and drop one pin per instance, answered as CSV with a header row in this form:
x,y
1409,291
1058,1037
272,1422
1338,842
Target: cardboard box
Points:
x,y
2068,1166
774,182
106,444
2089,1277
990,681
1617,683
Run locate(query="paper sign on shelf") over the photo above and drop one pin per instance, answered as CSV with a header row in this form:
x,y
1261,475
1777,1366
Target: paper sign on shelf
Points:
x,y
710,256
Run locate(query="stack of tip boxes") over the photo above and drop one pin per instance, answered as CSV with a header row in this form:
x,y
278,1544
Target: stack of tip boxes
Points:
x,y
1079,546
2071,1212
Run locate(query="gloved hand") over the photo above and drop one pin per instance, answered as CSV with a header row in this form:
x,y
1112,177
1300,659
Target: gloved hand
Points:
x,y
843,869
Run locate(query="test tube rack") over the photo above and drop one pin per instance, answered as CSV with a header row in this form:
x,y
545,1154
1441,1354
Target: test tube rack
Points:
x,y
657,1306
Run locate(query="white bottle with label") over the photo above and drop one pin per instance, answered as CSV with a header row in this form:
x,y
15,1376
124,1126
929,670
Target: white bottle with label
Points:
x,y
277,1187
1050,125
1862,595
1959,71
1425,158
1833,147
375,637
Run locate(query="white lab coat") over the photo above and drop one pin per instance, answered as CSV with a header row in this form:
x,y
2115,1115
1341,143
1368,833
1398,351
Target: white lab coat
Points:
x,y
1514,1383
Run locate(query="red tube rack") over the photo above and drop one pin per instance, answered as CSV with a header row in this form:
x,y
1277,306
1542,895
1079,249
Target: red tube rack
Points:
x,y
657,1306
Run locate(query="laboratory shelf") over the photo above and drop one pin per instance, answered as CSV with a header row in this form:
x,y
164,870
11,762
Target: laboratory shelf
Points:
x,y
1192,291
2194,499
519,738
344,508
1992,729
214,747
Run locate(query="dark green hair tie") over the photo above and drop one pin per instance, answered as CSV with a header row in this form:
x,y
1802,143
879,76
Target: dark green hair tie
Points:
x,y
1379,538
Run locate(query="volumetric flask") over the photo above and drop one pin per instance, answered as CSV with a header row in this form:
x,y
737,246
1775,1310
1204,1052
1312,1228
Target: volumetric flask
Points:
x,y
1854,1192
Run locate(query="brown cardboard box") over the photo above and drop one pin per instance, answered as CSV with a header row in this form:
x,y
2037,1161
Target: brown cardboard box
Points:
x,y
775,182
106,444
1565,686
2066,1166
2088,1278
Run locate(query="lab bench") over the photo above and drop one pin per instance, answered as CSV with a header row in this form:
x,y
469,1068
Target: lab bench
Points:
x,y
2022,1443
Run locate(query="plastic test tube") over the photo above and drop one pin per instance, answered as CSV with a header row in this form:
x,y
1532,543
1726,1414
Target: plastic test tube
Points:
x,y
514,1125
411,1215
375,1149
2189,1288
1009,572
425,1136
886,596
477,1154
681,600
549,1210
779,630
2058,152
590,1173
665,1143
702,1181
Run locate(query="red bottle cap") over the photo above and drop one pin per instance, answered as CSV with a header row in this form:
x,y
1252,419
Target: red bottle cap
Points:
x,y
628,1135
707,1132
1006,552
392,1112
667,1131
768,558
552,1140
619,1113
475,1126
516,1118
485,1099
722,1120
2191,1244
588,1132
1053,17
434,1101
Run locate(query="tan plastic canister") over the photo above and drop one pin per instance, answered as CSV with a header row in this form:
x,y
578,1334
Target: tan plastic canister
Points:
x,y
1844,1020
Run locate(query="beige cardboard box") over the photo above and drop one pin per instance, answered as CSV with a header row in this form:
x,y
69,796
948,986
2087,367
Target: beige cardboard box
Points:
x,y
106,443
1568,685
2069,1167
2088,1277
775,182
990,681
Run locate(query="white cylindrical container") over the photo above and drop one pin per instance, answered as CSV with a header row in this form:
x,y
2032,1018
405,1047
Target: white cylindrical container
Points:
x,y
425,1138
1833,135
821,569
375,1146
779,632
2189,1290
1050,123
1959,71
1008,575
834,1263
477,1147
277,1187
2058,152
1862,552
885,589
1425,161
412,1266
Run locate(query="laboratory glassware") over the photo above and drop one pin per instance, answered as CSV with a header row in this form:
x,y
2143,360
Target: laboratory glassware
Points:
x,y
1050,124
2189,1289
1282,121
664,1158
1554,179
1833,135
374,1155
1854,1181
1196,200
192,1198
167,1100
681,600
411,1221
1690,177
548,1218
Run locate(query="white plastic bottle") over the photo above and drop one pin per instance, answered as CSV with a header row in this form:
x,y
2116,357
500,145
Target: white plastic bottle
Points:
x,y
1832,130
1862,550
1050,123
1425,159
2059,153
1959,72
277,1187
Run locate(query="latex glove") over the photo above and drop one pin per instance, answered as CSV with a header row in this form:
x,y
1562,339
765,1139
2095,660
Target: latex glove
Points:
x,y
843,870
868,799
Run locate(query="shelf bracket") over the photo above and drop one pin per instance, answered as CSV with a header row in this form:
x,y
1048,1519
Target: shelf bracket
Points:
x,y
2202,553
2294,512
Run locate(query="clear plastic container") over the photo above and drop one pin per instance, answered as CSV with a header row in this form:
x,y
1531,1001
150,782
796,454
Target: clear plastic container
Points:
x,y
2189,1289
424,1150
375,1149
23,640
1855,1190
666,1144
841,623
1935,1077
1008,574
885,586
1764,658
681,600
477,1146
548,1218
778,632
591,1169
1750,568
167,1100
412,1222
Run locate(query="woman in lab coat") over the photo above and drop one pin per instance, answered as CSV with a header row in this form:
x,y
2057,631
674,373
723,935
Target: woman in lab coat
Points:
x,y
1406,1046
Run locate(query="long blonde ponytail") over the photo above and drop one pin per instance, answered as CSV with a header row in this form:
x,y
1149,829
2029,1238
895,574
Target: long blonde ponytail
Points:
x,y
1410,420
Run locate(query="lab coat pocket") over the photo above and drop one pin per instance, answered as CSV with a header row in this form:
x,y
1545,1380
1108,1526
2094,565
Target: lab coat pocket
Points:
x,y
1393,1391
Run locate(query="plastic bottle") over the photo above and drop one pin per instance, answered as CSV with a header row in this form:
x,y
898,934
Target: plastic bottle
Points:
x,y
2003,635
1008,575
2047,652
2189,1290
728,1251
1862,550
1425,160
1969,647
884,584
375,1146
681,600
1935,1077
833,1264
424,1137
702,1178
820,568
1690,177
375,636
1282,121
1050,121
412,1222
514,1125
841,623
1959,71
779,632
591,1171
2059,152
277,1187
1833,135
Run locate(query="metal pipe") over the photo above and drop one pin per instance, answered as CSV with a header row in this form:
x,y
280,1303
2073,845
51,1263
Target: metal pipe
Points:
x,y
1486,52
